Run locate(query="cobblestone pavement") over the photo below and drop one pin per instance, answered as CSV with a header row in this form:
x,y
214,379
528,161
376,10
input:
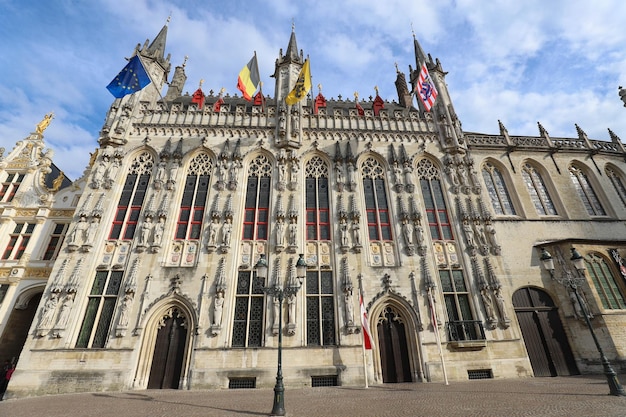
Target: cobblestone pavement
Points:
x,y
547,397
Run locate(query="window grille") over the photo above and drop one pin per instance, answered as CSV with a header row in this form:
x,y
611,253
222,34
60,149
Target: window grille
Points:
x,y
324,381
480,374
242,383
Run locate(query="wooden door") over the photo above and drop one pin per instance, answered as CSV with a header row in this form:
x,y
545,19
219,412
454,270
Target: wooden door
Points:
x,y
392,342
169,352
545,339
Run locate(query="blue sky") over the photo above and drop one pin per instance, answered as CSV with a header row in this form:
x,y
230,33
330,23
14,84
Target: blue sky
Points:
x,y
558,62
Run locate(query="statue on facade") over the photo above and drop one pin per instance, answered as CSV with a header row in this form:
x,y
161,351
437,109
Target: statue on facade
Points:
x,y
47,315
218,308
157,236
227,229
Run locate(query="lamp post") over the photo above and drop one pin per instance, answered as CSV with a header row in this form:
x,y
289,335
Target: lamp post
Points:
x,y
574,282
278,292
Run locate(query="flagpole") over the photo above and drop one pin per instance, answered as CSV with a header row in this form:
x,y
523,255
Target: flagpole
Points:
x,y
431,301
360,278
151,80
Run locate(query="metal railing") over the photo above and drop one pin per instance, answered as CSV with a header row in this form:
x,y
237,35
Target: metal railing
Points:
x,y
465,330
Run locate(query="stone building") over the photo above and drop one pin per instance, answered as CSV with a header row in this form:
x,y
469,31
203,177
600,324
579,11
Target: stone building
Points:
x,y
156,283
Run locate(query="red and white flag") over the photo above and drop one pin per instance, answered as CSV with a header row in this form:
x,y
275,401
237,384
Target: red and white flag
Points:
x,y
367,335
426,88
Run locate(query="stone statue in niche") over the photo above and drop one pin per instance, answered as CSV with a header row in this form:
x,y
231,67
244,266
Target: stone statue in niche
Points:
x,y
218,308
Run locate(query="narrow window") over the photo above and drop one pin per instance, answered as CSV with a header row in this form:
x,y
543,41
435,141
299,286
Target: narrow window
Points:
x,y
9,187
256,211
100,307
132,198
317,200
434,201
586,192
55,242
376,207
461,324
497,190
606,285
248,320
320,309
618,184
538,191
193,203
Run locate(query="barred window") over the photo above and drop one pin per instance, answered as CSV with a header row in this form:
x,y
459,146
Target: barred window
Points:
x,y
320,309
618,183
100,307
376,207
248,321
606,285
193,203
497,190
434,201
538,191
256,212
9,187
456,297
55,242
317,200
18,241
131,200
586,192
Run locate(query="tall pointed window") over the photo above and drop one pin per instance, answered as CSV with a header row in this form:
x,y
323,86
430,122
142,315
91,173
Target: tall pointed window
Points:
x,y
18,241
193,204
320,309
610,294
436,210
131,200
461,325
9,187
317,200
100,306
618,183
256,212
497,190
248,322
538,191
376,207
586,192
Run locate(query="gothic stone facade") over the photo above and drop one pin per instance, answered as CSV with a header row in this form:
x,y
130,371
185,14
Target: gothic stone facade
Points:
x,y
155,285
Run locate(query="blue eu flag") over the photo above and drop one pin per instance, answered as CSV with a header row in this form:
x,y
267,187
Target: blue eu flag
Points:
x,y
130,79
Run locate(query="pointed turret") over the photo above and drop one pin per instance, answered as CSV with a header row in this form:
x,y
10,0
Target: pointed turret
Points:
x,y
177,84
289,112
292,49
156,50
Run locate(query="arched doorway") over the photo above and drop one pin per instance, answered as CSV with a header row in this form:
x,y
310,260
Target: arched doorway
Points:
x,y
393,347
169,351
545,339
16,329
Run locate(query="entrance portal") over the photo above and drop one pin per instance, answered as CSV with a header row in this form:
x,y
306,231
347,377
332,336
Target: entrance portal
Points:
x,y
392,341
16,330
545,339
169,351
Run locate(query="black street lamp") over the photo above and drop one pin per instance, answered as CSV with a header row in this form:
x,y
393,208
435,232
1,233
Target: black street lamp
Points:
x,y
574,282
278,292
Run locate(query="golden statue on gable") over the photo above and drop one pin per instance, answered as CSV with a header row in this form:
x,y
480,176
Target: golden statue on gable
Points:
x,y
41,126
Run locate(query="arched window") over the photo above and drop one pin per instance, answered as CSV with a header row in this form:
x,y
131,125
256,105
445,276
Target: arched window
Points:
x,y
496,188
608,290
193,203
436,210
538,191
585,192
257,203
133,195
376,207
618,183
317,200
